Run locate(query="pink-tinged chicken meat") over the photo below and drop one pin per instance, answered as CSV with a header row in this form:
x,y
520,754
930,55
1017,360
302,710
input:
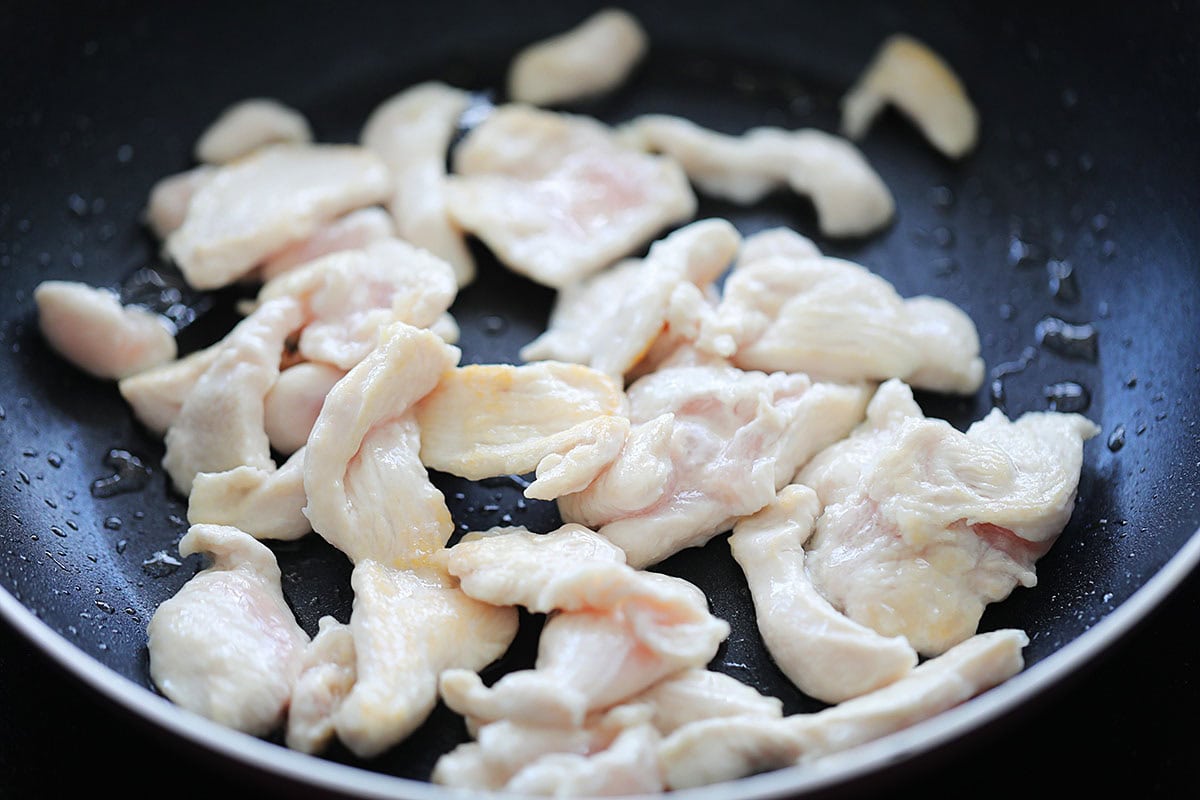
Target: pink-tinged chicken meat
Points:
x,y
709,444
265,503
354,231
90,328
610,320
849,196
170,198
294,402
556,197
411,132
613,631
227,646
922,525
249,125
724,749
826,654
564,421
327,674
276,196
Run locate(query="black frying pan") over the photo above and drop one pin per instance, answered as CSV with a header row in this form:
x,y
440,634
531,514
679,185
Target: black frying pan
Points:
x,y
1087,157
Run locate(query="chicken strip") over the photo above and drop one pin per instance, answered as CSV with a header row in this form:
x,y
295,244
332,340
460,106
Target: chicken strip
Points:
x,y
709,444
90,328
591,59
156,394
919,82
327,674
170,198
294,402
265,503
827,655
557,197
628,766
849,196
411,132
227,646
922,525
694,694
248,125
259,204
354,231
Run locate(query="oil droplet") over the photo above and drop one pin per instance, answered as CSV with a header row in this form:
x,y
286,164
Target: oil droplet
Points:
x,y
121,545
54,459
494,325
1068,397
1067,339
130,474
105,607
161,564
1002,371
1116,439
1062,281
1021,252
942,197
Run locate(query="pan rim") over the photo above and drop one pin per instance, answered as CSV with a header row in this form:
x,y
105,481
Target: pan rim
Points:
x,y
353,781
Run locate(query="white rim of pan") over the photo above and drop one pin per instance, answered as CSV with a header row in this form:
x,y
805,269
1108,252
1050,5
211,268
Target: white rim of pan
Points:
x,y
859,762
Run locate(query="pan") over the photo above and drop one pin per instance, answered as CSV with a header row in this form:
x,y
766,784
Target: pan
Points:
x,y
1086,169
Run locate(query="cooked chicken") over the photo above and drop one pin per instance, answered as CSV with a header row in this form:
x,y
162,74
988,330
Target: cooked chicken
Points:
x,y
694,694
709,444
628,766
274,197
220,423
227,646
248,125
849,196
593,58
922,525
293,403
265,503
368,493
610,320
90,328
711,751
327,673
827,655
919,82
156,394
411,132
171,197
354,231
836,320
556,197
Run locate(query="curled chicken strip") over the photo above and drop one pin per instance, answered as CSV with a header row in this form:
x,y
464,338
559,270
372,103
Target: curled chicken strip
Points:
x,y
593,58
327,674
906,73
827,655
716,750
265,503
627,766
170,198
411,132
227,646
354,231
694,694
248,125
90,328
849,196
255,206
156,394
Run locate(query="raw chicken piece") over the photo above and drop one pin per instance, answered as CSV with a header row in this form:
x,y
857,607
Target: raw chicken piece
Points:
x,y
827,655
171,197
368,493
905,72
694,694
248,125
156,394
628,766
849,196
709,444
778,241
293,403
90,328
265,503
227,646
485,420
718,750
408,627
591,59
354,231
327,673
557,197
615,631
922,525
610,320
349,297
836,320
220,424
411,132
276,196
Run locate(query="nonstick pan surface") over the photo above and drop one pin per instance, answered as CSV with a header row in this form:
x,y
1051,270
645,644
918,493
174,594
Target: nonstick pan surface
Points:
x,y
1087,159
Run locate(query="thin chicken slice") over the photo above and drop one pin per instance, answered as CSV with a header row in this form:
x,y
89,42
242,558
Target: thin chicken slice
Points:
x,y
556,197
411,132
591,59
694,694
265,503
248,125
610,320
833,319
923,526
294,402
90,328
627,766
220,423
327,674
919,82
227,646
826,654
712,751
354,231
709,444
368,493
849,196
170,198
156,395
259,204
